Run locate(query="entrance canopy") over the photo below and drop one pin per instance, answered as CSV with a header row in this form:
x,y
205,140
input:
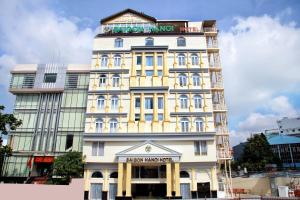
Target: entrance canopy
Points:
x,y
148,152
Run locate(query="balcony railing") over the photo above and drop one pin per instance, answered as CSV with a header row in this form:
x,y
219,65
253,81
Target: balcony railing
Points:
x,y
210,29
218,84
214,65
212,44
222,130
219,106
224,153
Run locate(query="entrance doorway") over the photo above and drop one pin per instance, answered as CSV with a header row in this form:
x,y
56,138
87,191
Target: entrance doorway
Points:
x,y
43,169
203,190
149,191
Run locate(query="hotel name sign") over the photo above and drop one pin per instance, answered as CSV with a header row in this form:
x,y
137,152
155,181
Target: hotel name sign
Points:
x,y
139,29
148,29
149,159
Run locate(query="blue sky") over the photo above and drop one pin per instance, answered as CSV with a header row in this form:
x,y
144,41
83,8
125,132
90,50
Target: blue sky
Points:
x,y
259,41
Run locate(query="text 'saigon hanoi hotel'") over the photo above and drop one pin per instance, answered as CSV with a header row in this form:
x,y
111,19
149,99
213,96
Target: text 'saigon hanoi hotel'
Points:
x,y
156,119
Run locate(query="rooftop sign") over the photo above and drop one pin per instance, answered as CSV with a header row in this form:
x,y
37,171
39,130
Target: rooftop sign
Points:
x,y
139,29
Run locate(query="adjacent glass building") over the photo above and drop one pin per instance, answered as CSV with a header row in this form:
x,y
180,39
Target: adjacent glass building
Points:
x,y
51,101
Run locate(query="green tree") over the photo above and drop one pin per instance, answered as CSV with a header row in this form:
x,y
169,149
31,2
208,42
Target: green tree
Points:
x,y
7,122
257,153
67,166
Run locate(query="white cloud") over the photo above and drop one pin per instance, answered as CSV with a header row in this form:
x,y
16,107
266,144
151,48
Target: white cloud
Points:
x,y
32,33
6,62
278,108
260,57
282,107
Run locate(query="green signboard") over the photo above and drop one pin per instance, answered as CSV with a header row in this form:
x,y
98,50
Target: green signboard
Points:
x,y
140,29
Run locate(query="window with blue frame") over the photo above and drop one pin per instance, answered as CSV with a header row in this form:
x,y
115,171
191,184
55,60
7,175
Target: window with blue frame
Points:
x,y
197,101
113,124
104,61
50,78
114,102
159,60
199,125
181,59
195,59
118,42
182,80
117,60
184,125
183,101
160,117
181,42
160,102
149,41
196,80
100,102
148,117
138,60
99,125
159,73
148,103
149,60
137,102
149,72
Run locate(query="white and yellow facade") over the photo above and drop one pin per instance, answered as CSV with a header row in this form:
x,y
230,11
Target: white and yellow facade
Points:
x,y
155,110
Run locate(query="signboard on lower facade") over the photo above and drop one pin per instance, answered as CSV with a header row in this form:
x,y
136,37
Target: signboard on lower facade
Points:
x,y
43,159
149,160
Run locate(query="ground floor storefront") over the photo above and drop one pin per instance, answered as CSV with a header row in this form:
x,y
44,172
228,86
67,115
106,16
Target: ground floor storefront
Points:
x,y
149,170
150,181
19,168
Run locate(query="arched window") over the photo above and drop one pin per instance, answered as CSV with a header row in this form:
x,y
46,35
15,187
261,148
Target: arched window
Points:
x,y
182,80
184,125
113,124
199,125
100,102
183,101
197,101
181,59
184,174
97,174
115,80
196,80
114,175
117,60
195,59
104,61
181,42
102,80
114,102
118,42
149,41
99,125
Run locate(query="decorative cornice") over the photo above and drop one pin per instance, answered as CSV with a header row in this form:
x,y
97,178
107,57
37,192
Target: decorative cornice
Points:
x,y
193,70
196,114
114,70
194,91
117,114
172,136
149,89
108,91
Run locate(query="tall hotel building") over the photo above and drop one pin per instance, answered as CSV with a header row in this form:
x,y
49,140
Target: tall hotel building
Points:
x,y
156,122
51,102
